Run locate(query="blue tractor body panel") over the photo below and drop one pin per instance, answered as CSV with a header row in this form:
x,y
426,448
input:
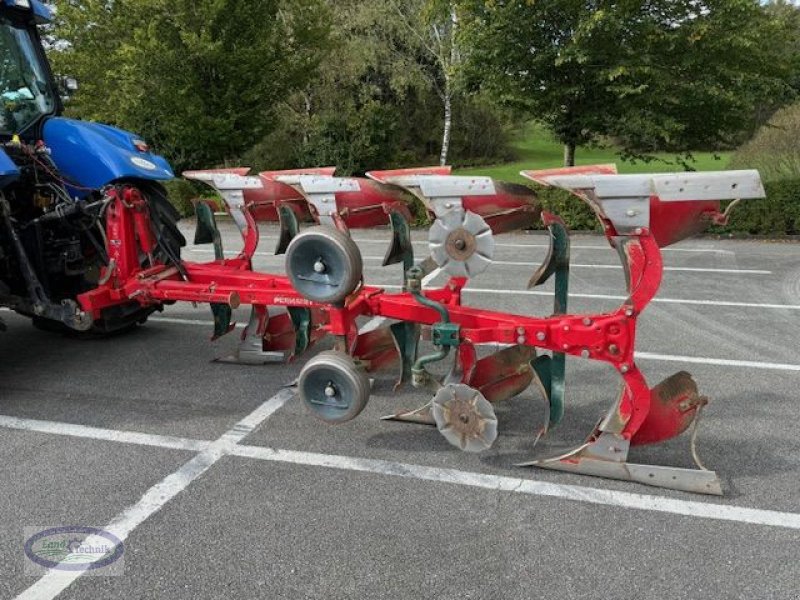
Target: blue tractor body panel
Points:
x,y
8,170
41,11
94,155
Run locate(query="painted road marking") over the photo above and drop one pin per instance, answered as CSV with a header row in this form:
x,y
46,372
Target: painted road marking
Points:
x,y
505,263
228,445
54,582
698,360
376,322
104,435
619,267
573,246
719,362
656,300
531,487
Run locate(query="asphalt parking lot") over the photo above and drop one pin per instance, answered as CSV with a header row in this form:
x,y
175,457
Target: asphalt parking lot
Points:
x,y
223,486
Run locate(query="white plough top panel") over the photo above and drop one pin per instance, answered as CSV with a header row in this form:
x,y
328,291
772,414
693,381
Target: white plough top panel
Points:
x,y
669,187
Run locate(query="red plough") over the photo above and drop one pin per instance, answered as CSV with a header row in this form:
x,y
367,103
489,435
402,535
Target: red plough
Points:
x,y
323,294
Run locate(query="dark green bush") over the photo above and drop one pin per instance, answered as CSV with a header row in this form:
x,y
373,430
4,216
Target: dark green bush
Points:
x,y
774,150
576,214
181,193
384,131
777,215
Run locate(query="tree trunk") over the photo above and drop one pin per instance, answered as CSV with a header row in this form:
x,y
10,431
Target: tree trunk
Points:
x,y
569,155
448,124
447,65
308,108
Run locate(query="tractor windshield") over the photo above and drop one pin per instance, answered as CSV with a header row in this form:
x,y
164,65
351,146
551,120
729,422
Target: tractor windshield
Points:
x,y
25,94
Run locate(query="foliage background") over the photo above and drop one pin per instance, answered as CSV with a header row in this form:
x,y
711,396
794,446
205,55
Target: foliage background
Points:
x,y
658,85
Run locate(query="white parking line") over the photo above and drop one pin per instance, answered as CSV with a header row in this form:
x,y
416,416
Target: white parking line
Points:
x,y
505,263
175,321
531,487
54,582
622,298
105,435
697,360
154,499
718,362
572,246
673,269
376,322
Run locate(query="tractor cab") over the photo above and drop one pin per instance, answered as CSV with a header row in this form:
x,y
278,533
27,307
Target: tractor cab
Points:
x,y
28,92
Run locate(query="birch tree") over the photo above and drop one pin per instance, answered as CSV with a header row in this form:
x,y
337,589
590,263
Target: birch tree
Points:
x,y
434,25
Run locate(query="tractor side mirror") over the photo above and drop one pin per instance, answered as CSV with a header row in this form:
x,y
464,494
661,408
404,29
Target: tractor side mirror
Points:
x,y
67,87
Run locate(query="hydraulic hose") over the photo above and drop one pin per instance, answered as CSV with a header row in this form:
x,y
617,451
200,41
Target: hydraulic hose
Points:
x,y
419,373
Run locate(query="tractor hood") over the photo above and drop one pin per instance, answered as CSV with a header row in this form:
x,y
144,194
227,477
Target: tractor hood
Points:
x,y
94,155
41,12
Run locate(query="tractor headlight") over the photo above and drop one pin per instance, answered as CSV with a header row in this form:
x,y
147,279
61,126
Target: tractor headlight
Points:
x,y
22,3
141,146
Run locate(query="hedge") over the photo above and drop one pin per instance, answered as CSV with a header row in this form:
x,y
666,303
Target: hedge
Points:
x,y
778,215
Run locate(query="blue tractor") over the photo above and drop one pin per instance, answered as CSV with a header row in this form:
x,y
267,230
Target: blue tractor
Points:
x,y
54,175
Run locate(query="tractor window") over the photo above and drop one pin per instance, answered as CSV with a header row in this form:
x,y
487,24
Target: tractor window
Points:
x,y
25,94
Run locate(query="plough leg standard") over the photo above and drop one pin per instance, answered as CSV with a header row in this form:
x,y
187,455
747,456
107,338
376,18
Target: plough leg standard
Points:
x,y
323,294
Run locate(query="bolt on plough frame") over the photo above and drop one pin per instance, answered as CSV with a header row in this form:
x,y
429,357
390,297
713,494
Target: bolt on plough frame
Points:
x,y
323,293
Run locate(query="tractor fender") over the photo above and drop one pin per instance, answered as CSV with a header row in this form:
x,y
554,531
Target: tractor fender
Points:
x,y
93,155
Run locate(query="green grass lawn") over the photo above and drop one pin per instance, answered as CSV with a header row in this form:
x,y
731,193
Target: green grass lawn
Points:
x,y
536,148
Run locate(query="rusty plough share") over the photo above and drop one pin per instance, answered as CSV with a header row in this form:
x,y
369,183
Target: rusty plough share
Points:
x,y
324,293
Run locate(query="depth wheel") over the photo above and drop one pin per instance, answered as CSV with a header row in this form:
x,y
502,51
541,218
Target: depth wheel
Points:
x,y
333,387
324,265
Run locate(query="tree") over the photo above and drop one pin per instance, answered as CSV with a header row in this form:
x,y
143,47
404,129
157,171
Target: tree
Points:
x,y
434,26
660,75
377,100
199,78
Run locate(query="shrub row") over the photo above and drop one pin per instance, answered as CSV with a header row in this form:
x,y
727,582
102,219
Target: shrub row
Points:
x,y
778,215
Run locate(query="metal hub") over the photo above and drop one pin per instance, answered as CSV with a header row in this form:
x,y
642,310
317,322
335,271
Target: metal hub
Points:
x,y
464,417
462,243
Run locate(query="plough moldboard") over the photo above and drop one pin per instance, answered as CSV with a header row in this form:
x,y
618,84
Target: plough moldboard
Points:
x,y
324,293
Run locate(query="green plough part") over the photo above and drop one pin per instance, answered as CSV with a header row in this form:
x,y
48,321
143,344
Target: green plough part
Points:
x,y
208,233
552,370
301,319
406,338
445,333
289,228
400,248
